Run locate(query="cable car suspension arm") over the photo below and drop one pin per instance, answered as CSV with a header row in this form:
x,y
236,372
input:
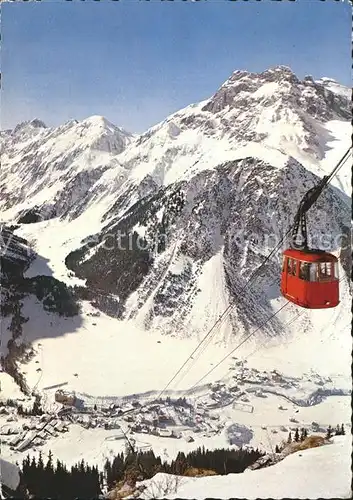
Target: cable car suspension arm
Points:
x,y
300,225
308,201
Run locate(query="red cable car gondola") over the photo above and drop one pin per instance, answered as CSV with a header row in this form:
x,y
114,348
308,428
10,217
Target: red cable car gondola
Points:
x,y
309,276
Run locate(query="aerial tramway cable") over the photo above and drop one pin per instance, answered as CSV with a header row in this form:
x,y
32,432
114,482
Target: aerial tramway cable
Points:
x,y
254,274
225,314
237,347
241,343
207,343
325,181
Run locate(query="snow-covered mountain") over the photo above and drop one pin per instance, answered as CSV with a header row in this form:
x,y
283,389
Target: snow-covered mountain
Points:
x,y
222,179
162,230
51,170
270,116
335,87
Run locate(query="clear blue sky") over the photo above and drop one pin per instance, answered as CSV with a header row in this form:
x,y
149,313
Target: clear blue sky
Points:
x,y
135,62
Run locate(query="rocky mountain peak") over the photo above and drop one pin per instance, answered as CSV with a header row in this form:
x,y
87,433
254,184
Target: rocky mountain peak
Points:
x,y
278,90
100,122
278,74
36,123
29,127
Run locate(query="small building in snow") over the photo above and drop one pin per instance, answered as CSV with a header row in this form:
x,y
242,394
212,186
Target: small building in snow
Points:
x,y
165,432
65,397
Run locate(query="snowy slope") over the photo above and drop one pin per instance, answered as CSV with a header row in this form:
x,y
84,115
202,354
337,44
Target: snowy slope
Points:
x,y
335,87
323,472
9,388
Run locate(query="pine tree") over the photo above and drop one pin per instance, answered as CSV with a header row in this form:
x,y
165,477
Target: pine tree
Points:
x,y
329,432
26,463
47,474
101,480
37,409
40,461
343,432
289,438
49,465
33,476
277,450
296,435
302,434
108,474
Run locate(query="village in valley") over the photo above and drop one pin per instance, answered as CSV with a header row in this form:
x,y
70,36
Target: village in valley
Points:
x,y
230,409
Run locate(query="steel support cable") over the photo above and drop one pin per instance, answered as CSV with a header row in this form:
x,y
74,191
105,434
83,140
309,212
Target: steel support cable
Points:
x,y
225,314
339,165
209,341
256,272
237,347
290,321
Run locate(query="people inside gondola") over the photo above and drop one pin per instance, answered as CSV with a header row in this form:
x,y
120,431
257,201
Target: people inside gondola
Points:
x,y
304,271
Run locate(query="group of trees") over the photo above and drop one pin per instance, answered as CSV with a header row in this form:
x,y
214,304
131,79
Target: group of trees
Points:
x,y
303,434
55,295
339,431
298,436
221,461
175,402
57,481
145,464
35,410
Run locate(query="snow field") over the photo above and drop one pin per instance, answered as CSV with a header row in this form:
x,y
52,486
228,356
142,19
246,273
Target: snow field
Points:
x,y
323,472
